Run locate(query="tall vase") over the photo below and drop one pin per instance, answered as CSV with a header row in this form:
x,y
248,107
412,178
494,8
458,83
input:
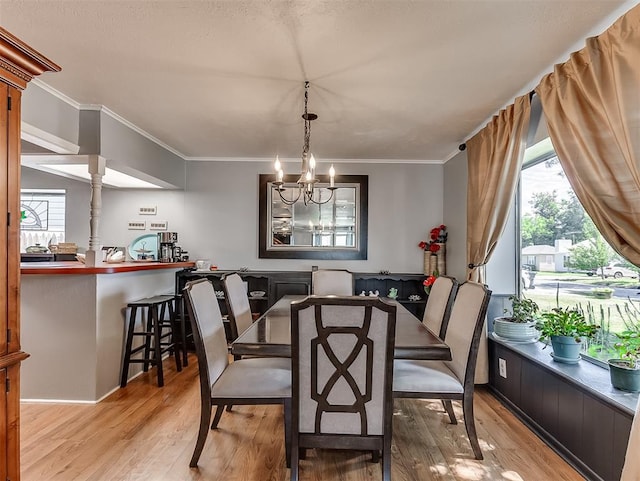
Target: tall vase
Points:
x,y
427,263
442,259
433,264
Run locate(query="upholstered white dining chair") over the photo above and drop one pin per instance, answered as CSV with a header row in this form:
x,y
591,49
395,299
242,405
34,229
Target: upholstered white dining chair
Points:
x,y
451,380
242,382
342,367
331,282
436,317
439,304
238,306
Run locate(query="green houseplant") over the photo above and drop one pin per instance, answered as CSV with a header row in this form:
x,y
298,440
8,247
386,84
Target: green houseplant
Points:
x,y
625,370
519,323
566,328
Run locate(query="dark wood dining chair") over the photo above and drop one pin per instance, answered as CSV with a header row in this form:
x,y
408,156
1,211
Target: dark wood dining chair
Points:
x,y
242,382
451,380
332,282
342,366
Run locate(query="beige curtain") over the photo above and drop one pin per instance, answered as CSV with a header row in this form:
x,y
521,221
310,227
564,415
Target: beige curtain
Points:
x,y
494,162
592,107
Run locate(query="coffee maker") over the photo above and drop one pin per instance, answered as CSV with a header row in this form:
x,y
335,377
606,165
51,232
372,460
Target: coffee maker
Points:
x,y
168,251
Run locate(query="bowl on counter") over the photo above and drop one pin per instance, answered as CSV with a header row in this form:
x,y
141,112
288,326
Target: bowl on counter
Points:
x,y
257,293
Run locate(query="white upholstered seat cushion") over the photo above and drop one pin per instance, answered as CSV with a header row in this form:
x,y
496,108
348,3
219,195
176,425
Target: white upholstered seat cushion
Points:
x,y
255,378
424,377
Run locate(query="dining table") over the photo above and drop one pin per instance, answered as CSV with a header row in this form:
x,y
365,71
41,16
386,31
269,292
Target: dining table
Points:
x,y
270,335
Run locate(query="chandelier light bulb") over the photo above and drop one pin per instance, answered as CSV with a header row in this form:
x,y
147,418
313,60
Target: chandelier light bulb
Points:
x,y
312,162
280,175
332,175
277,165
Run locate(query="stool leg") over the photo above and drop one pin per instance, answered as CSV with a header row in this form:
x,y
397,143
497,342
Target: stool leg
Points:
x,y
156,344
177,346
147,322
127,351
183,331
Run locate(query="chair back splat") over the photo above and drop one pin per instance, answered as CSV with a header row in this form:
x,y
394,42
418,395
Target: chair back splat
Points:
x,y
342,366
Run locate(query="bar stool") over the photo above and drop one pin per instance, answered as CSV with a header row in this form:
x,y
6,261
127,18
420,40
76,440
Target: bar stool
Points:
x,y
181,317
165,333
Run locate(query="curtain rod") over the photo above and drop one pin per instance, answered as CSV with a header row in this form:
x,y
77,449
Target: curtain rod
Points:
x,y
462,147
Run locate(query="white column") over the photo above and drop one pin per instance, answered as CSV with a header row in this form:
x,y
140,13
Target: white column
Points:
x,y
96,170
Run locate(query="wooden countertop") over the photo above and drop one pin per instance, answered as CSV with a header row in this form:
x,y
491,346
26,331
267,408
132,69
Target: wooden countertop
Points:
x,y
78,268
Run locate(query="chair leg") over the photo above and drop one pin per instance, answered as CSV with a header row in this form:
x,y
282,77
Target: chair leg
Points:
x,y
386,457
217,416
295,460
229,407
446,404
469,422
287,431
375,456
205,416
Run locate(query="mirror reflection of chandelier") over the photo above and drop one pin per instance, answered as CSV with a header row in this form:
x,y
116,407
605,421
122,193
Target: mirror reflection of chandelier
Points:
x,y
307,181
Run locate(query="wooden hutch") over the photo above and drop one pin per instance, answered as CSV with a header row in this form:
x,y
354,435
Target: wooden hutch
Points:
x,y
19,63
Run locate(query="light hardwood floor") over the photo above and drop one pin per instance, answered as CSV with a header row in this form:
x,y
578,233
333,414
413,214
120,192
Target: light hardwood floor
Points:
x,y
144,432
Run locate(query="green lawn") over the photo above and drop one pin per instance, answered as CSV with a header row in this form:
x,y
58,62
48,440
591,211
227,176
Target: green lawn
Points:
x,y
602,312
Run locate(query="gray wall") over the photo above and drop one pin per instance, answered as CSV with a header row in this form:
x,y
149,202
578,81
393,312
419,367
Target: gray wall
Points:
x,y
44,111
128,151
455,214
217,216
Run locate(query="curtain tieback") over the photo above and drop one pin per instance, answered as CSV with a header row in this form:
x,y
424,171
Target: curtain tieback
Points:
x,y
473,266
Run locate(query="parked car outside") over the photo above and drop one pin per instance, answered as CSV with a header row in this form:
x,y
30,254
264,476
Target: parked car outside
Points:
x,y
618,270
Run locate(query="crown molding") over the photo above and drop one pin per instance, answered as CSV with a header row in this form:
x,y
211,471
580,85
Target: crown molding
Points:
x,y
46,140
147,135
321,161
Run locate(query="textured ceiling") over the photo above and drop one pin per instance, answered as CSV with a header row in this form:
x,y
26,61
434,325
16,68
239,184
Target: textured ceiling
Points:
x,y
397,79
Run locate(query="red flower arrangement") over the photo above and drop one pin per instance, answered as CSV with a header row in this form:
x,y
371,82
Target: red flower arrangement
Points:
x,y
428,282
438,235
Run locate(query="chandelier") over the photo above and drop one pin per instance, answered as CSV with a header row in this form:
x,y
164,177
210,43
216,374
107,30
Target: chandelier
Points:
x,y
307,181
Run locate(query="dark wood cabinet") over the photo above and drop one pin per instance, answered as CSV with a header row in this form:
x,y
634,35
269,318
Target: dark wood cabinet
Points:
x,y
19,63
281,283
573,408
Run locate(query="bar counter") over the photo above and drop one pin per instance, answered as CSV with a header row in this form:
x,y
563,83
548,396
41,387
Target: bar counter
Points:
x,y
72,324
78,268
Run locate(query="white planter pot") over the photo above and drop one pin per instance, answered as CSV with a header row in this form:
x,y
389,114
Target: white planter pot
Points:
x,y
515,331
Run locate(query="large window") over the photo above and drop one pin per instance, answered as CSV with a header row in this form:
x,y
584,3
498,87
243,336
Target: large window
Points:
x,y
565,260
43,217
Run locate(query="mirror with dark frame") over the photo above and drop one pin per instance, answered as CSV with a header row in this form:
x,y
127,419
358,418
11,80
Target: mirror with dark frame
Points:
x,y
332,227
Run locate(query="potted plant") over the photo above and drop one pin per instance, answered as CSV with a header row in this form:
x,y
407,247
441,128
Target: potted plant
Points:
x,y
625,370
520,323
567,329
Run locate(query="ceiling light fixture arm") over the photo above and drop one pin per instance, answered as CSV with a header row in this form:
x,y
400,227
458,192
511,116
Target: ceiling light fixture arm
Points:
x,y
307,181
